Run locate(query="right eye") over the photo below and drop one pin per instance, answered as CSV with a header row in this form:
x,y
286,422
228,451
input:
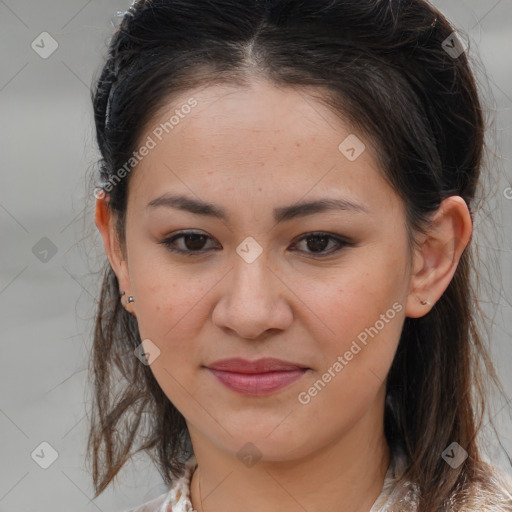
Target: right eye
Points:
x,y
192,243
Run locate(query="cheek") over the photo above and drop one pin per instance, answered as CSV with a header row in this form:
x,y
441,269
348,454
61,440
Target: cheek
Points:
x,y
355,359
170,297
361,309
355,298
170,307
171,311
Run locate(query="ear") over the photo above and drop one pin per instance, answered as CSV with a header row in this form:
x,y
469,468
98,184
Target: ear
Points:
x,y
437,255
105,222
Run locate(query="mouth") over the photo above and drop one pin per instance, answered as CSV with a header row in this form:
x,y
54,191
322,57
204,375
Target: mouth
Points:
x,y
264,365
256,378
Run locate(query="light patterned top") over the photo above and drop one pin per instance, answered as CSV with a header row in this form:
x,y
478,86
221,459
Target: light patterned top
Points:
x,y
397,495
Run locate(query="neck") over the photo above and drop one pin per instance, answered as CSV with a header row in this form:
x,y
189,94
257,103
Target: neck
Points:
x,y
349,470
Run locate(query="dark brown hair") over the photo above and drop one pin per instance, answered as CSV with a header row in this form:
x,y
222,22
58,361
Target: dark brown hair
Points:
x,y
382,66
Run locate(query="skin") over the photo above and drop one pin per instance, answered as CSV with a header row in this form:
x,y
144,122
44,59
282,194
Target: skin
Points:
x,y
249,150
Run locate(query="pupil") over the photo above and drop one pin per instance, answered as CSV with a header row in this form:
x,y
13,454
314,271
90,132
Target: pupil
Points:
x,y
315,247
193,238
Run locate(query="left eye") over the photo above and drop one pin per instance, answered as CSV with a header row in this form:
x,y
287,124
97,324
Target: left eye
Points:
x,y
193,243
317,243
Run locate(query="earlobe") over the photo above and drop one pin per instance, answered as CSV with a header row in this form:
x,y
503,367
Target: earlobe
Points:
x,y
437,256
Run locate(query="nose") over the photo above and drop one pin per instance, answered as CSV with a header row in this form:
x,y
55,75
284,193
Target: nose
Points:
x,y
253,303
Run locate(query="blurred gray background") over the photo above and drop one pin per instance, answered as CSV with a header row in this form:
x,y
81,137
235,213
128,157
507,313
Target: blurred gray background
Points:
x,y
51,252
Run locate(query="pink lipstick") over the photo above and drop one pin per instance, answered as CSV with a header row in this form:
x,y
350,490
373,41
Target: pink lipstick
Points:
x,y
256,378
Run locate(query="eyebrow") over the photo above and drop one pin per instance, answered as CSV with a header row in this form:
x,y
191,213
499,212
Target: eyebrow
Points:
x,y
283,213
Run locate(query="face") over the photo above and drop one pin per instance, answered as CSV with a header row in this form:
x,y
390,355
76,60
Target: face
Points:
x,y
324,289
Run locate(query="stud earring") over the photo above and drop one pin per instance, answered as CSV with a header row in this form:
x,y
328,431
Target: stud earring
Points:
x,y
130,298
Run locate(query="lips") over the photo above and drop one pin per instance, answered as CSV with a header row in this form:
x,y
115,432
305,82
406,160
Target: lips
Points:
x,y
264,365
256,378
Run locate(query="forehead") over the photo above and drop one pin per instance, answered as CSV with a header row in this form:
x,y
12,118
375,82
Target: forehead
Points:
x,y
257,138
252,113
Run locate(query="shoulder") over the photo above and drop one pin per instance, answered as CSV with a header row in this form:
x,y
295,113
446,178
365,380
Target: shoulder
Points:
x,y
154,505
177,499
490,492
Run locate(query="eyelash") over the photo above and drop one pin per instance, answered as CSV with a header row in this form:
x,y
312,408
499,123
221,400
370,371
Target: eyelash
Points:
x,y
320,234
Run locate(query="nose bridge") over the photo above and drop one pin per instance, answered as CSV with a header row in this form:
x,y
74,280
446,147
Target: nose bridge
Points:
x,y
250,304
251,276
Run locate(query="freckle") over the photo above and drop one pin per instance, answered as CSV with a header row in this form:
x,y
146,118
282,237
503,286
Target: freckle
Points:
x,y
297,144
274,148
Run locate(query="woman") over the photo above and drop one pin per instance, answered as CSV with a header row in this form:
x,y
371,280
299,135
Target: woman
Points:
x,y
286,205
